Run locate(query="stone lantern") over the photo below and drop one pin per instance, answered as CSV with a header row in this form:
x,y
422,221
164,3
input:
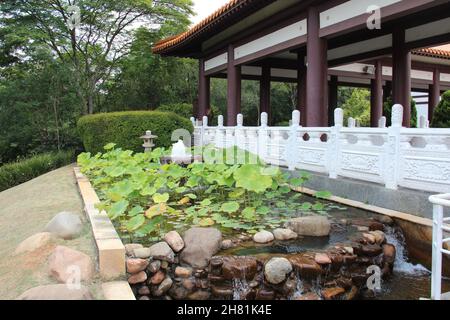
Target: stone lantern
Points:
x,y
148,141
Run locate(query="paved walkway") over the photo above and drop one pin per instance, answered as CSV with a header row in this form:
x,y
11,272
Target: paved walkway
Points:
x,y
24,211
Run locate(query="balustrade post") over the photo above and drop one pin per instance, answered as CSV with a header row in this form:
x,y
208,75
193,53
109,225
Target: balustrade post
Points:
x,y
334,157
436,274
239,138
220,133
263,137
292,147
351,122
392,167
382,122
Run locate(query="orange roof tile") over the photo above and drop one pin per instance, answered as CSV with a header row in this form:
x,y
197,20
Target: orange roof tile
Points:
x,y
436,52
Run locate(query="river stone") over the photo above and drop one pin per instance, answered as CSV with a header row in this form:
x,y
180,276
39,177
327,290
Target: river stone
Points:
x,y
142,253
389,253
227,244
239,267
384,219
158,277
129,248
306,266
380,237
182,272
322,258
65,225
137,278
136,265
174,240
284,234
34,242
314,226
165,285
263,237
64,261
56,292
154,266
162,251
276,270
310,296
200,245
332,293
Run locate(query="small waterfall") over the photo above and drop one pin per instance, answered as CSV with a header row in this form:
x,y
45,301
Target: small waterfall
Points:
x,y
240,288
402,263
298,290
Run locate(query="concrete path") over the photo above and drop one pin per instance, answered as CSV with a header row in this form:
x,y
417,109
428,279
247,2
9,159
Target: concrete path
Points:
x,y
25,210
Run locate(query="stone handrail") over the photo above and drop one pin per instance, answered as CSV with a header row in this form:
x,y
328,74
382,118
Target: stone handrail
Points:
x,y
393,156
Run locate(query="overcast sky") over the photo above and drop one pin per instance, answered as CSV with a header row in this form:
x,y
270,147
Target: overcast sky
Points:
x,y
204,8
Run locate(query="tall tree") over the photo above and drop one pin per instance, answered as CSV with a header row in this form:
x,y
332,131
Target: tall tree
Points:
x,y
91,36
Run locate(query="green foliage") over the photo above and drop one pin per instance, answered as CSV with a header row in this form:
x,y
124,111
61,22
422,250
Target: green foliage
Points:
x,y
125,128
13,174
145,198
441,115
184,110
357,106
387,112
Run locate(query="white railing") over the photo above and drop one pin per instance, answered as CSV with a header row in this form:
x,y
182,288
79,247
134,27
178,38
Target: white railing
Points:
x,y
439,227
394,156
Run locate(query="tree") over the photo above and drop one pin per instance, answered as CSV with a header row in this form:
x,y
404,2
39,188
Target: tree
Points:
x,y
357,106
441,115
89,36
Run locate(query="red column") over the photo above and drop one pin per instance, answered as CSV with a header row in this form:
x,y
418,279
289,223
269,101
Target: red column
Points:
x,y
434,93
301,89
376,97
264,91
234,89
203,91
333,99
316,112
401,78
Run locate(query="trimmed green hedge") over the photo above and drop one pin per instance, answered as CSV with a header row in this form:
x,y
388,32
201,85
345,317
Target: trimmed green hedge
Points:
x,y
185,110
441,114
125,128
15,173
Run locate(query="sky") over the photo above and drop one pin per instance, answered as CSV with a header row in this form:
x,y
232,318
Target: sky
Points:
x,y
204,8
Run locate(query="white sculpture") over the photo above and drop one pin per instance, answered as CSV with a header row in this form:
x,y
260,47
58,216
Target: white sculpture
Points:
x,y
179,150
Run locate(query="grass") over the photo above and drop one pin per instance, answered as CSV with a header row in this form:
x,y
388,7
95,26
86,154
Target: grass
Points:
x,y
13,174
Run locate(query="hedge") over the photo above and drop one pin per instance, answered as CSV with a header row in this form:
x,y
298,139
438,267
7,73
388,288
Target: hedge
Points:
x,y
125,128
441,114
185,110
15,173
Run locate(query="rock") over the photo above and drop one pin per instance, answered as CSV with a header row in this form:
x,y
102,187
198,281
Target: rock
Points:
x,y
164,265
306,267
369,223
174,240
370,238
384,219
157,277
200,245
142,253
380,237
263,237
227,244
183,272
136,265
154,266
389,253
34,242
349,250
332,293
362,229
314,226
144,298
277,269
351,295
264,294
178,292
65,225
137,278
144,291
129,248
64,262
284,234
322,258
188,284
239,267
310,296
199,295
56,292
165,285
222,292
162,251
370,250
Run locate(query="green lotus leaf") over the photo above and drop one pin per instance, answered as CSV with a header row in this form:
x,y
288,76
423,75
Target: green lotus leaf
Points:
x,y
135,223
250,178
160,198
230,207
118,209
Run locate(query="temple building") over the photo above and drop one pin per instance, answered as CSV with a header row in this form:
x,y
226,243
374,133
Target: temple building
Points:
x,y
393,47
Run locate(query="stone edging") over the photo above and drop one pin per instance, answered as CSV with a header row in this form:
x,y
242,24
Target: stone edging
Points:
x,y
387,212
111,251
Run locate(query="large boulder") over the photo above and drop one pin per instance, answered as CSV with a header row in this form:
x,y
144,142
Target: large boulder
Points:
x,y
277,269
200,245
313,226
65,225
34,242
66,263
56,292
